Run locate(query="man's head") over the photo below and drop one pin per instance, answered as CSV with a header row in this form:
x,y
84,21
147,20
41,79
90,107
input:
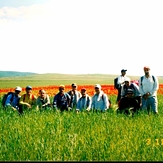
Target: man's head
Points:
x,y
97,88
129,93
42,93
127,81
83,91
74,86
28,89
18,90
123,72
61,88
146,70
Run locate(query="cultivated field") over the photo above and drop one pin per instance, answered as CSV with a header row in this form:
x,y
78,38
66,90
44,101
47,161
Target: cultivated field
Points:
x,y
52,136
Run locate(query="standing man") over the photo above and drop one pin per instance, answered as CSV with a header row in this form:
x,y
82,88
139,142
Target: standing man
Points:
x,y
120,82
61,100
99,100
75,95
84,102
148,86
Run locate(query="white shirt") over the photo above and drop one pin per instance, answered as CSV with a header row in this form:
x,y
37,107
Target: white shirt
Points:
x,y
148,85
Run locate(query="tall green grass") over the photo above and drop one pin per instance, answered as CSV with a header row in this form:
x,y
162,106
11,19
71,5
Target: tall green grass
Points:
x,y
52,136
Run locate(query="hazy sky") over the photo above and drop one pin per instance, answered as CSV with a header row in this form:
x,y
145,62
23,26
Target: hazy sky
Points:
x,y
81,36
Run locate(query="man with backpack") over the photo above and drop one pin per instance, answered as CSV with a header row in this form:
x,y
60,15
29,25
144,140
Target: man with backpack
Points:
x,y
120,83
12,99
148,86
100,100
84,102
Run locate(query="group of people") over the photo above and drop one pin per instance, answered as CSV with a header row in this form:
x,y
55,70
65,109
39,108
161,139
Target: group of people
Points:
x,y
62,101
130,97
141,96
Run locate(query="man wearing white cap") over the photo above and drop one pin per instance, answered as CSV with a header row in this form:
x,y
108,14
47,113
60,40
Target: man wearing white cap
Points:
x,y
99,100
129,85
13,99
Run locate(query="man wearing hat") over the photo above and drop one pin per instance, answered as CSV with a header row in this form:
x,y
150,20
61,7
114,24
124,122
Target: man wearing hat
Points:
x,y
84,102
148,88
99,100
74,94
128,103
121,81
61,101
129,85
13,99
27,100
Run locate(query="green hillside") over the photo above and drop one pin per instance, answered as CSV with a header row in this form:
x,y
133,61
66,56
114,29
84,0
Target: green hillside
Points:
x,y
14,74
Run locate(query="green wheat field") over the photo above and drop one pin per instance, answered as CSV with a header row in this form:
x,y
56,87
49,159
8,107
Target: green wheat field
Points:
x,y
52,136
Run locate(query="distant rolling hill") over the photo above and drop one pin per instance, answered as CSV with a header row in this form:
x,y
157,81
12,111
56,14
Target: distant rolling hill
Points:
x,y
14,73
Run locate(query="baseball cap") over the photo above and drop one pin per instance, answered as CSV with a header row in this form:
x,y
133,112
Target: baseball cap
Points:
x,y
129,91
62,86
18,89
123,70
146,68
98,86
73,84
127,79
28,87
83,89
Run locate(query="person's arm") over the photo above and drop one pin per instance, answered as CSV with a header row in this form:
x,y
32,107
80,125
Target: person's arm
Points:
x,y
55,102
88,103
141,87
123,92
92,103
155,87
47,101
78,106
8,100
21,102
106,101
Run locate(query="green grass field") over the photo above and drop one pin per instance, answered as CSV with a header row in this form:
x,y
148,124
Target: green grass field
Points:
x,y
87,136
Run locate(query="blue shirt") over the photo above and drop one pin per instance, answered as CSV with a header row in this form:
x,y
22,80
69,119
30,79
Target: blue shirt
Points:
x,y
61,100
14,102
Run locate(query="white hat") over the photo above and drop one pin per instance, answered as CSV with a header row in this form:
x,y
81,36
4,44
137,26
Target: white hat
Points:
x,y
127,79
18,89
98,86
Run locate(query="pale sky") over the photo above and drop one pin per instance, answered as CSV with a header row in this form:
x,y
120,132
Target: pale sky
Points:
x,y
81,36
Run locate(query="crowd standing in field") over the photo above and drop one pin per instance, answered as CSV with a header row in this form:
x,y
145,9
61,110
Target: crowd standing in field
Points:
x,y
130,96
